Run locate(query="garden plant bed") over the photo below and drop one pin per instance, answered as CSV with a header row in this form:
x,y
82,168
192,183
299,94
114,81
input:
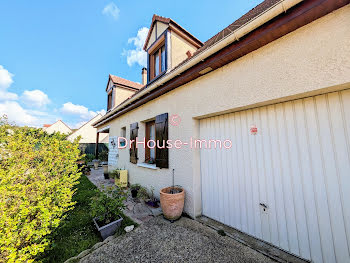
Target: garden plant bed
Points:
x,y
78,232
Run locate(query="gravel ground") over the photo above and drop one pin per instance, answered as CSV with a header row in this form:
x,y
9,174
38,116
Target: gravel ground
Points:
x,y
183,241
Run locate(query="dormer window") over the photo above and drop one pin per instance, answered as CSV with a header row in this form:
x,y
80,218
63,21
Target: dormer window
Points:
x,y
167,45
157,61
110,100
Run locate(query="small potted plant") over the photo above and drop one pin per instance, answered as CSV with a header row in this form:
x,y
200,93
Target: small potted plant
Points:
x,y
115,174
96,163
106,175
86,170
106,209
142,194
111,177
105,168
152,201
134,190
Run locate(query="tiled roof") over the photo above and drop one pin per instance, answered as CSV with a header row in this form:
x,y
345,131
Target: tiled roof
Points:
x,y
168,21
256,11
125,82
46,125
253,13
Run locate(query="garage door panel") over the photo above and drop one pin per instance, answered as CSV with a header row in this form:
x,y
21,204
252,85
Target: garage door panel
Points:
x,y
318,180
340,136
283,149
247,172
229,174
297,186
242,179
236,173
298,164
330,173
270,189
255,183
218,132
261,174
226,172
307,182
277,174
204,170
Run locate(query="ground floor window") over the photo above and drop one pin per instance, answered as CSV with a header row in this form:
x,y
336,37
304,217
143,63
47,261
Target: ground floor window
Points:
x,y
150,155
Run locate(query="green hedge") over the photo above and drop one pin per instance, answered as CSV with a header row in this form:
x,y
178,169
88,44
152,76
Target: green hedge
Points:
x,y
37,177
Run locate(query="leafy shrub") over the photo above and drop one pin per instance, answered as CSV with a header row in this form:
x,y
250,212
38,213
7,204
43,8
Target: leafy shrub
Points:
x,y
103,156
115,174
107,205
135,187
37,175
89,157
143,193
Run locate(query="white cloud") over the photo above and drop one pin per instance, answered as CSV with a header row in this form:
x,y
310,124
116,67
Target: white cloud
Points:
x,y
111,10
6,79
5,96
35,98
30,108
78,110
137,55
17,114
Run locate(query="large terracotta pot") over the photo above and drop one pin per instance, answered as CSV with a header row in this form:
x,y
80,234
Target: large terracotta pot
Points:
x,y
172,204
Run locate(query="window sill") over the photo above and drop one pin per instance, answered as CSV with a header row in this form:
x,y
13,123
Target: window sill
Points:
x,y
156,78
149,166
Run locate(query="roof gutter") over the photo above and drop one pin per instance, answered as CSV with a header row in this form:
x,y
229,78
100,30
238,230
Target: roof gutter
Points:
x,y
258,21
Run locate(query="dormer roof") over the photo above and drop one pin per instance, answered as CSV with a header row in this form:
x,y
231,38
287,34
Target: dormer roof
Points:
x,y
124,82
173,25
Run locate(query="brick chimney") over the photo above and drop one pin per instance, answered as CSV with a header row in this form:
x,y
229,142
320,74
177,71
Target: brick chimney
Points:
x,y
144,76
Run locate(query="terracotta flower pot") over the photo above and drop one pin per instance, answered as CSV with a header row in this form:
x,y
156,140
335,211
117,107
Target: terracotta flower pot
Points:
x,y
172,204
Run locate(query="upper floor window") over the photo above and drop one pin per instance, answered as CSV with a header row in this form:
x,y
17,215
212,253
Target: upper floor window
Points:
x,y
157,61
109,100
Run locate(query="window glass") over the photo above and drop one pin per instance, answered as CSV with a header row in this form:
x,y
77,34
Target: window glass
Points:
x,y
122,134
152,136
156,65
163,59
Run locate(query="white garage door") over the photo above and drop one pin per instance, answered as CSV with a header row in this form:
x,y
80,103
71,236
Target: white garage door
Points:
x,y
297,164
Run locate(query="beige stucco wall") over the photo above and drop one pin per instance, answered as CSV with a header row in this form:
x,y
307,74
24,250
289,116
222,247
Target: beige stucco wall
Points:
x,y
161,27
58,126
179,47
88,133
310,60
120,95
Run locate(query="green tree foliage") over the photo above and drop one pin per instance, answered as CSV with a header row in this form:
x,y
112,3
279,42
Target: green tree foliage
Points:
x,y
107,205
37,177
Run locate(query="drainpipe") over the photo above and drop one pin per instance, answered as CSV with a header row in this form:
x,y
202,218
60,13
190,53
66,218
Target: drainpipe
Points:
x,y
96,147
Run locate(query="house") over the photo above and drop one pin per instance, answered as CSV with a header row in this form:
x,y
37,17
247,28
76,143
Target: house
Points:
x,y
88,132
119,89
87,142
273,90
58,126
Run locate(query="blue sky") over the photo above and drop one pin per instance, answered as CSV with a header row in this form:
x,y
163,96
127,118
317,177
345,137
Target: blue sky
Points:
x,y
55,56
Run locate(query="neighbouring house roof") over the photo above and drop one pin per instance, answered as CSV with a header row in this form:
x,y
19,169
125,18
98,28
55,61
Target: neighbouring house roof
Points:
x,y
86,134
53,126
124,82
287,22
75,130
169,21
